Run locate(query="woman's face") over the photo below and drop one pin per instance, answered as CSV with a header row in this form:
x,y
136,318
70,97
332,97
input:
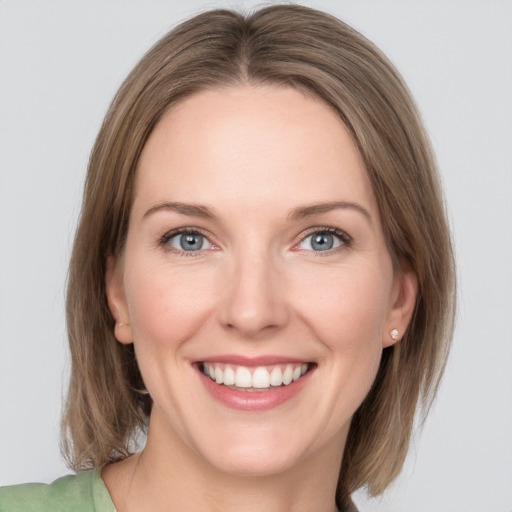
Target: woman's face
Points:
x,y
255,254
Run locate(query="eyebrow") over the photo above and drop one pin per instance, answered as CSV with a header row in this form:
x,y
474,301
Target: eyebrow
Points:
x,y
192,210
301,212
305,211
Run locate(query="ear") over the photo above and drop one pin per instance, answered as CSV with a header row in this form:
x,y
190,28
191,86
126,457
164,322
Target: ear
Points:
x,y
403,300
117,301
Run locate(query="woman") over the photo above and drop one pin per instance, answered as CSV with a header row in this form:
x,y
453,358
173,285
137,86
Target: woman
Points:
x,y
262,277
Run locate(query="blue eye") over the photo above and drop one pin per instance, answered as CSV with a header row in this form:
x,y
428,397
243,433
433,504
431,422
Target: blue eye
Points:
x,y
320,241
189,242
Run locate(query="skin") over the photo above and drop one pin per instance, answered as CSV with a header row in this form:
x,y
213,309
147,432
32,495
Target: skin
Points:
x,y
252,156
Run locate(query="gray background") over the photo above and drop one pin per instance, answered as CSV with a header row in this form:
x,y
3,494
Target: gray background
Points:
x,y
61,62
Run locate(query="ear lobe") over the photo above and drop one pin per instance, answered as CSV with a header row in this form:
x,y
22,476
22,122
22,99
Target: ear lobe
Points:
x,y
117,302
405,292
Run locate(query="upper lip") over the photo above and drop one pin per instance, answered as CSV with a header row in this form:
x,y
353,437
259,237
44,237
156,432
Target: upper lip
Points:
x,y
264,360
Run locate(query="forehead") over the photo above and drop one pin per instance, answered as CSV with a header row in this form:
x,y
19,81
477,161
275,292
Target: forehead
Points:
x,y
249,145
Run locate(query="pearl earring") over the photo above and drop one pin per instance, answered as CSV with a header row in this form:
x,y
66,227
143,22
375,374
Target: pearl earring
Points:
x,y
394,334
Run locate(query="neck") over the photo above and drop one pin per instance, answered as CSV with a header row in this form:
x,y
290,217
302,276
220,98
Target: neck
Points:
x,y
170,475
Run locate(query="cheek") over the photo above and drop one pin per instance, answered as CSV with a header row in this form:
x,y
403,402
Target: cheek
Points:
x,y
167,306
349,319
347,310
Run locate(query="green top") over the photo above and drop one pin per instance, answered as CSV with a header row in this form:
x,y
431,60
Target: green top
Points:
x,y
83,492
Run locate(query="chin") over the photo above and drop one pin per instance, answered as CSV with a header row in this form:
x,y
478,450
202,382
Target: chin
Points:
x,y
263,450
253,461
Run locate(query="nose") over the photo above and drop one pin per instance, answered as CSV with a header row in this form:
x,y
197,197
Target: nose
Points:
x,y
253,299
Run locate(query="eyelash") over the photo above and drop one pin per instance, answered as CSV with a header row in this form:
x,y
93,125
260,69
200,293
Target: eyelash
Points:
x,y
164,241
346,240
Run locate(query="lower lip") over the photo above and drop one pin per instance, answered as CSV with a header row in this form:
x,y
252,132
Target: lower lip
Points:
x,y
254,400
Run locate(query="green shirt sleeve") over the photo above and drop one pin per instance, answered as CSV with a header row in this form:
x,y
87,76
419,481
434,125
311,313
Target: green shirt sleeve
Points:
x,y
83,492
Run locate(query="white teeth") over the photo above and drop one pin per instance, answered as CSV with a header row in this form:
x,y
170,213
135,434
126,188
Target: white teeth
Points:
x,y
276,377
258,378
229,376
243,378
288,375
219,376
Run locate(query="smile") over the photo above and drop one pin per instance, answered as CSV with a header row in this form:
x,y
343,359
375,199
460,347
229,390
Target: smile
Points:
x,y
260,378
254,384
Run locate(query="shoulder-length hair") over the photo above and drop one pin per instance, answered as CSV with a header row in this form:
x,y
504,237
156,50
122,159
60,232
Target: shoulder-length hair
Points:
x,y
317,54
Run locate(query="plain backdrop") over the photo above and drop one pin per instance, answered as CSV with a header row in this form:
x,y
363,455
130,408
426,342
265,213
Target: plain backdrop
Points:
x,y
61,61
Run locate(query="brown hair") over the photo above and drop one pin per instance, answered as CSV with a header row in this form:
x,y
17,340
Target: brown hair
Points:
x,y
316,53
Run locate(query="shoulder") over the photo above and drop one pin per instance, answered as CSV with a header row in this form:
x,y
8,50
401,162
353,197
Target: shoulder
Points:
x,y
83,492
